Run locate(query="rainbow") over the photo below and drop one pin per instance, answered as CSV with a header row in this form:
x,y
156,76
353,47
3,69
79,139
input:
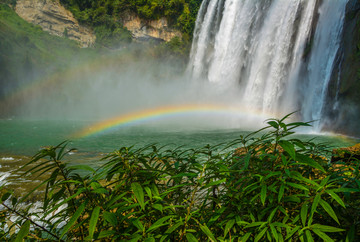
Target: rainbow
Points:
x,y
161,112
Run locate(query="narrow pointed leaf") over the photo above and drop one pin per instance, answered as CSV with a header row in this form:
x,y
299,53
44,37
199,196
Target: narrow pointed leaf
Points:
x,y
288,147
336,198
139,194
261,234
93,221
326,228
281,192
190,237
207,231
313,207
110,218
308,235
263,194
274,232
24,231
158,223
322,235
307,160
298,186
329,210
228,226
303,213
73,219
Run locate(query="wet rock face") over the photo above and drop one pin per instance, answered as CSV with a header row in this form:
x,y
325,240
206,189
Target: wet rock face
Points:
x,y
343,106
52,17
148,29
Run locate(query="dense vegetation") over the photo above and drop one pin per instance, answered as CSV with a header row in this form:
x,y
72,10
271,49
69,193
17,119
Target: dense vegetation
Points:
x,y
271,188
104,15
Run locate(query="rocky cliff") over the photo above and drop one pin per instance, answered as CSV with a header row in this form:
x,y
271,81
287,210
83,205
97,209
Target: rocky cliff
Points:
x,y
343,104
55,19
148,29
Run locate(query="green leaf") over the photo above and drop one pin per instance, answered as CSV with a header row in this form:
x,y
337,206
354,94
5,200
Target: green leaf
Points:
x,y
261,234
245,237
274,232
343,189
5,196
83,167
308,161
171,229
313,207
272,214
138,225
263,194
100,190
106,234
329,210
336,197
322,235
214,183
274,124
292,232
73,219
281,192
298,186
303,213
24,231
158,224
110,218
148,191
139,194
158,207
299,177
324,181
93,221
288,147
190,237
326,228
309,237
228,226
255,224
135,237
207,231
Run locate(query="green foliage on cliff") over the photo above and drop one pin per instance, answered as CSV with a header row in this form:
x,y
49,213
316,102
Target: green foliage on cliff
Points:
x,y
181,14
273,188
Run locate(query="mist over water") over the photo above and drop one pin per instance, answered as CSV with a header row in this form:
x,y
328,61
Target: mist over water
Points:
x,y
124,82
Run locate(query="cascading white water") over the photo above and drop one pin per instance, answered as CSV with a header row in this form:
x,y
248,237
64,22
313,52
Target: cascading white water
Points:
x,y
279,54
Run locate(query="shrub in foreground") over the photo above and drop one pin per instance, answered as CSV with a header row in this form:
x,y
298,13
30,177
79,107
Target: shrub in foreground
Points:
x,y
271,188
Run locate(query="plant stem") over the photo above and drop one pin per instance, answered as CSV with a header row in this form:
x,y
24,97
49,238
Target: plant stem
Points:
x,y
31,221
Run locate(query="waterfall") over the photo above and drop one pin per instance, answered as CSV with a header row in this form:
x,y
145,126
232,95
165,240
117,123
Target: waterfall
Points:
x,y
278,54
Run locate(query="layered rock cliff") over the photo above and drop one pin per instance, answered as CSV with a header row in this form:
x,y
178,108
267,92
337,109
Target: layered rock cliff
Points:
x,y
55,19
148,29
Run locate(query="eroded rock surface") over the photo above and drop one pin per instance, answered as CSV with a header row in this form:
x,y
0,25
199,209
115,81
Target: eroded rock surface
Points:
x,y
55,19
148,29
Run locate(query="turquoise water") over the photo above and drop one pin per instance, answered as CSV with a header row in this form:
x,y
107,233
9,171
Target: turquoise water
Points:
x,y
19,140
19,137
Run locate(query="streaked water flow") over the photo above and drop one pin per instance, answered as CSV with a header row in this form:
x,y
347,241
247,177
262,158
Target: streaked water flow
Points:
x,y
279,54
